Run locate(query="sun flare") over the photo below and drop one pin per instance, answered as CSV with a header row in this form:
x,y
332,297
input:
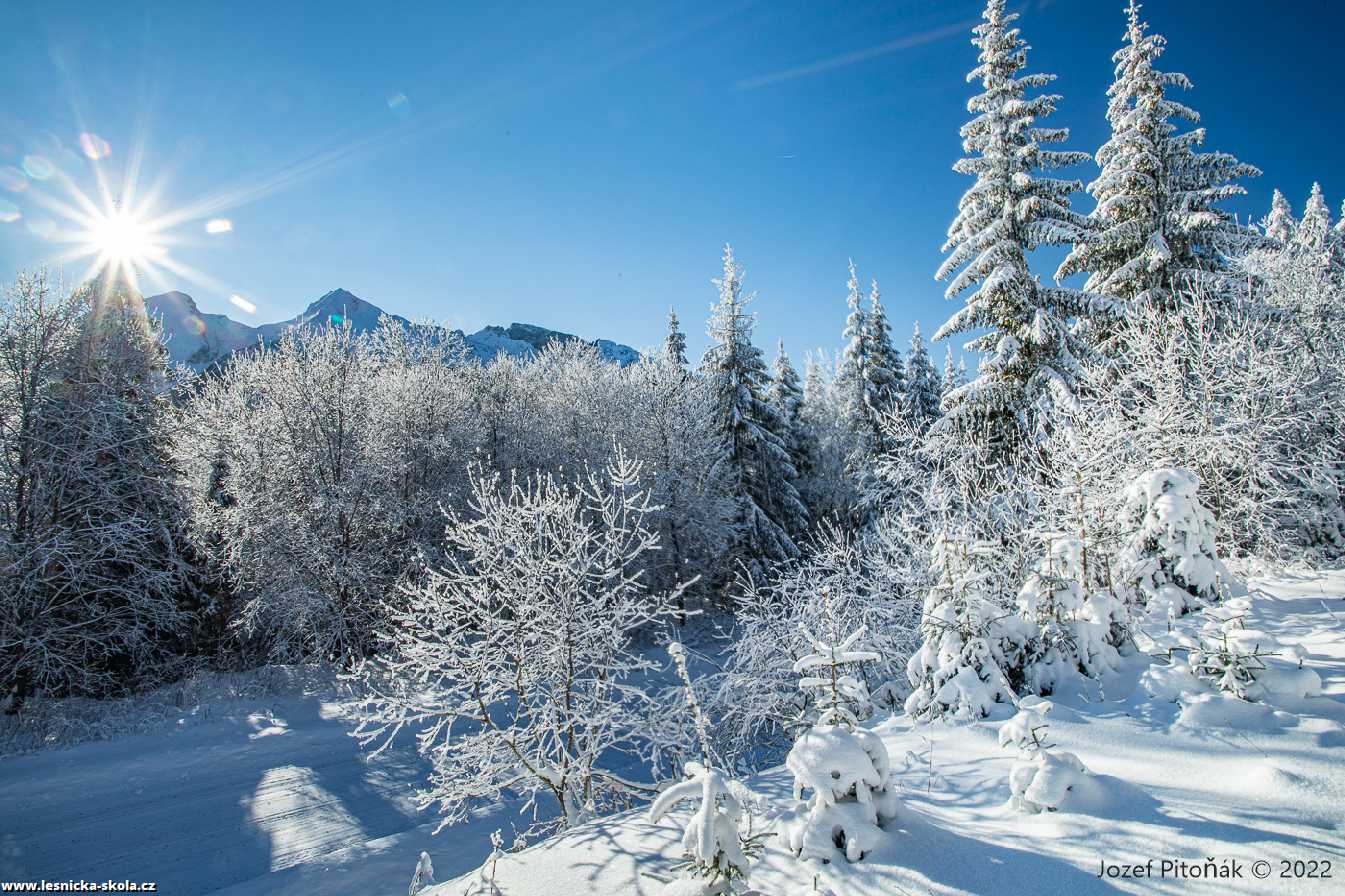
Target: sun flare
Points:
x,y
122,239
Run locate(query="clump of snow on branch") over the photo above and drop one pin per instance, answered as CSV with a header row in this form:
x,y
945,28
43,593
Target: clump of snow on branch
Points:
x,y
423,877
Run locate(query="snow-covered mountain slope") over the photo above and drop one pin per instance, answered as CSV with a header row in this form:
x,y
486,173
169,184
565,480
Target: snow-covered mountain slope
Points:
x,y
195,338
199,340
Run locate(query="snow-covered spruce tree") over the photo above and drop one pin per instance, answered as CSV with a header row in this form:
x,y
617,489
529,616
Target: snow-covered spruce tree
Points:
x,y
971,642
92,523
920,403
1314,231
1170,555
755,458
845,767
951,379
1158,218
1280,225
1042,779
1029,348
863,584
1318,241
1078,618
852,376
885,375
513,659
668,425
826,488
786,397
716,849
675,343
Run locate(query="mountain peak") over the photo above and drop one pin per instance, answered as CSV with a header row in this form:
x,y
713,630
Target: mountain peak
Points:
x,y
178,298
338,301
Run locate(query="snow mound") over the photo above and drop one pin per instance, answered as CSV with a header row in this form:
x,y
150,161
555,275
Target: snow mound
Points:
x,y
1215,710
1043,781
847,771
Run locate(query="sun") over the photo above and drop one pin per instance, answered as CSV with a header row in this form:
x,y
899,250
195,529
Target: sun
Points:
x,y
122,240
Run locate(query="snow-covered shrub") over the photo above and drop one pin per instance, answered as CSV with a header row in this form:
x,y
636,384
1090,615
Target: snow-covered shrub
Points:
x,y
1041,779
845,767
847,771
1170,552
712,841
1215,665
1078,618
970,640
1248,663
513,659
843,583
1250,404
424,876
717,852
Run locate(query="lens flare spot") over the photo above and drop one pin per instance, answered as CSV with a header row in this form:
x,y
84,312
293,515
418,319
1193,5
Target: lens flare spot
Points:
x,y
219,225
94,147
244,304
12,179
9,212
38,167
400,105
337,320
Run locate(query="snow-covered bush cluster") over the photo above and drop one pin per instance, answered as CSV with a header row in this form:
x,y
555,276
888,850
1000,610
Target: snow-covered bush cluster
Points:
x,y
845,582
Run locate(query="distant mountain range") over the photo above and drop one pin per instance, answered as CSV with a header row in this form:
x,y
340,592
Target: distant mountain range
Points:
x,y
200,340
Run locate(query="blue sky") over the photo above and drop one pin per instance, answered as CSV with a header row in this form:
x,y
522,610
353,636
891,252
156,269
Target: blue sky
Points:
x,y
580,165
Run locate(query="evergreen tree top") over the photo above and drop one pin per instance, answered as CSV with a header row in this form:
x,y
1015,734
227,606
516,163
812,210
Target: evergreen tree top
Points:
x,y
1316,224
675,344
1280,225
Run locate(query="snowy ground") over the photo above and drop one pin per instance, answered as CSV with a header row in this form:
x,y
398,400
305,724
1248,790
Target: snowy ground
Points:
x,y
1269,786
270,795
260,795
